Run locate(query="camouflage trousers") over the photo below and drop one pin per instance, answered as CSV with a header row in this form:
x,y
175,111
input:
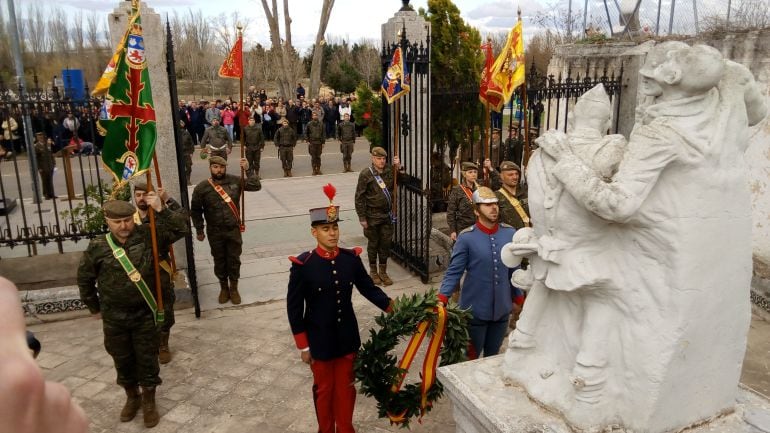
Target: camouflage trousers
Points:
x,y
169,297
188,168
286,154
132,339
226,246
347,152
253,155
315,151
380,237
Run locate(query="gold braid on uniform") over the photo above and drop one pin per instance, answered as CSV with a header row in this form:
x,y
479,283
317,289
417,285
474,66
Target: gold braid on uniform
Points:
x,y
377,370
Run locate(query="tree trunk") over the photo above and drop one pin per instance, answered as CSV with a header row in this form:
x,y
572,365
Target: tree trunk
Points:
x,y
315,68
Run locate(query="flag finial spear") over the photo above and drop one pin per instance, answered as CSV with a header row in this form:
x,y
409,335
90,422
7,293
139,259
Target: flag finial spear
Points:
x,y
518,12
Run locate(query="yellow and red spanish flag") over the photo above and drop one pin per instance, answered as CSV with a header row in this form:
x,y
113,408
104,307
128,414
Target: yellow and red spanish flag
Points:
x,y
233,64
488,90
509,70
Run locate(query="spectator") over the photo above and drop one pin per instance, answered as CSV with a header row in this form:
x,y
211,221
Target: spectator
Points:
x,y
300,91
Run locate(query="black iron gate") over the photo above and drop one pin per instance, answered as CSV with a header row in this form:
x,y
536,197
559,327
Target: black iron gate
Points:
x,y
70,209
406,130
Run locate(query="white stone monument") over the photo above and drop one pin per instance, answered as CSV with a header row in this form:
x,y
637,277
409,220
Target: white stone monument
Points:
x,y
640,265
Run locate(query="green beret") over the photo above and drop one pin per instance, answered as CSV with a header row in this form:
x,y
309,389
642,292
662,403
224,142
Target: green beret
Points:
x,y
465,166
216,118
508,165
140,185
217,160
378,151
115,209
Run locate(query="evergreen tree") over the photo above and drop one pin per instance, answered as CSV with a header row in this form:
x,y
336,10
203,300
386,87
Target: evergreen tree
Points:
x,y
367,111
456,113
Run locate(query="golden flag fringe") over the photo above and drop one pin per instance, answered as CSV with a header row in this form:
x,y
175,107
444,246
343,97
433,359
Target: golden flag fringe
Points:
x,y
110,72
509,69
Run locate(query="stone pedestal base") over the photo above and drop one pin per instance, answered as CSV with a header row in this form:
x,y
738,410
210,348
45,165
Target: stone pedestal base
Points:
x,y
484,403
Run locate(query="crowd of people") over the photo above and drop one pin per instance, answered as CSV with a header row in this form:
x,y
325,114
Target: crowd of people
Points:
x,y
268,113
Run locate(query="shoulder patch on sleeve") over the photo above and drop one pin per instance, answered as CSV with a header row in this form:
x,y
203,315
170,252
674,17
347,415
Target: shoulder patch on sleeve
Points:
x,y
301,259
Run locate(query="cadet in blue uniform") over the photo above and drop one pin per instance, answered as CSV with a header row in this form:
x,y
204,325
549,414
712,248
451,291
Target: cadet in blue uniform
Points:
x,y
322,318
487,289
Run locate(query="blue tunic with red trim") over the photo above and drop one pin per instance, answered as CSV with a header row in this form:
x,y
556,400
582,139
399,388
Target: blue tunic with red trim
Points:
x,y
319,301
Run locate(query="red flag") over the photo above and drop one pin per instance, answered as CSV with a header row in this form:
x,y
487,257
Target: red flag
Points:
x,y
233,64
489,99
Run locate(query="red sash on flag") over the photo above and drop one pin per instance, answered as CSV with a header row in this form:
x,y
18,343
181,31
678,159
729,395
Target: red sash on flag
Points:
x,y
222,193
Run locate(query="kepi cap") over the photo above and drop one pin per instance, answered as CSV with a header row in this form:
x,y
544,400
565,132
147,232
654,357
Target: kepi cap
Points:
x,y
115,209
328,214
484,195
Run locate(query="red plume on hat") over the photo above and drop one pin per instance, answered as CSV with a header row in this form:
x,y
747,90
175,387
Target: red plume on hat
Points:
x,y
330,192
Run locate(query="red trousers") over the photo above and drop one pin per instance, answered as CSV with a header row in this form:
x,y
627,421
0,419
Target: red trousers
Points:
x,y
334,394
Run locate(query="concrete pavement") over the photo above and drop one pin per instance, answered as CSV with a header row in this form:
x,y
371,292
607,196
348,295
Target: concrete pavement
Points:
x,y
236,368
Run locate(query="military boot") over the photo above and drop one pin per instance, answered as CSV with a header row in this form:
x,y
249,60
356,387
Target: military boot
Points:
x,y
319,170
133,403
373,273
384,275
149,410
164,354
315,170
234,295
347,167
224,292
288,173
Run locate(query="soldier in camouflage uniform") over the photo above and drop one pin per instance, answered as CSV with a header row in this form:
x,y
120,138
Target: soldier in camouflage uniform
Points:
x,y
373,206
188,148
142,216
255,143
512,197
216,141
130,331
460,213
316,137
45,163
286,139
223,216
346,133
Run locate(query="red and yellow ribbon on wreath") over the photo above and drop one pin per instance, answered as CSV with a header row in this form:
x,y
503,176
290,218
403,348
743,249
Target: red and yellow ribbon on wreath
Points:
x,y
429,364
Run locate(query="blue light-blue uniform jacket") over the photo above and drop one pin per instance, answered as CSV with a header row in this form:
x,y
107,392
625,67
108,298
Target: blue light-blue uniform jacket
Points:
x,y
487,289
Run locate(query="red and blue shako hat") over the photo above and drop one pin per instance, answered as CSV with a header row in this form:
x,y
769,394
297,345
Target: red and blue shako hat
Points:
x,y
328,214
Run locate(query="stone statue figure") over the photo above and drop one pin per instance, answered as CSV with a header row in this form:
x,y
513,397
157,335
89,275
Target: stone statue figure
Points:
x,y
640,271
571,242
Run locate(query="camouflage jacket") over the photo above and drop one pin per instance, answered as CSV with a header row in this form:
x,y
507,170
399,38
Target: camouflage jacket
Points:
x,y
285,137
459,213
371,203
315,132
216,138
104,285
346,132
44,156
508,213
252,136
206,203
188,147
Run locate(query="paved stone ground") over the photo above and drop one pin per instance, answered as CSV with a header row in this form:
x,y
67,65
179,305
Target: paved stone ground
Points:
x,y
234,370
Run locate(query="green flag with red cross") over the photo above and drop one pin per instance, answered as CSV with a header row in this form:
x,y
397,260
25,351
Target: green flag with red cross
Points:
x,y
127,118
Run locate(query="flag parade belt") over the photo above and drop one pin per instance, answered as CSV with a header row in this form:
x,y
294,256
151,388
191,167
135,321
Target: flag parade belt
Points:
x,y
136,277
376,370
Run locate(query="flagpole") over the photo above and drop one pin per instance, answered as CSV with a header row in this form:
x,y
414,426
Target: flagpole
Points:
x,y
160,185
154,237
524,116
243,151
394,209
487,141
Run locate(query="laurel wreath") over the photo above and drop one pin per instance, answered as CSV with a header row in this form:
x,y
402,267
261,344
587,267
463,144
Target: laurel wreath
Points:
x,y
377,370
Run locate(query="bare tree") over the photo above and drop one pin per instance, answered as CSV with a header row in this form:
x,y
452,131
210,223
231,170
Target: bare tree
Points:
x,y
79,32
367,61
94,30
38,34
315,68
